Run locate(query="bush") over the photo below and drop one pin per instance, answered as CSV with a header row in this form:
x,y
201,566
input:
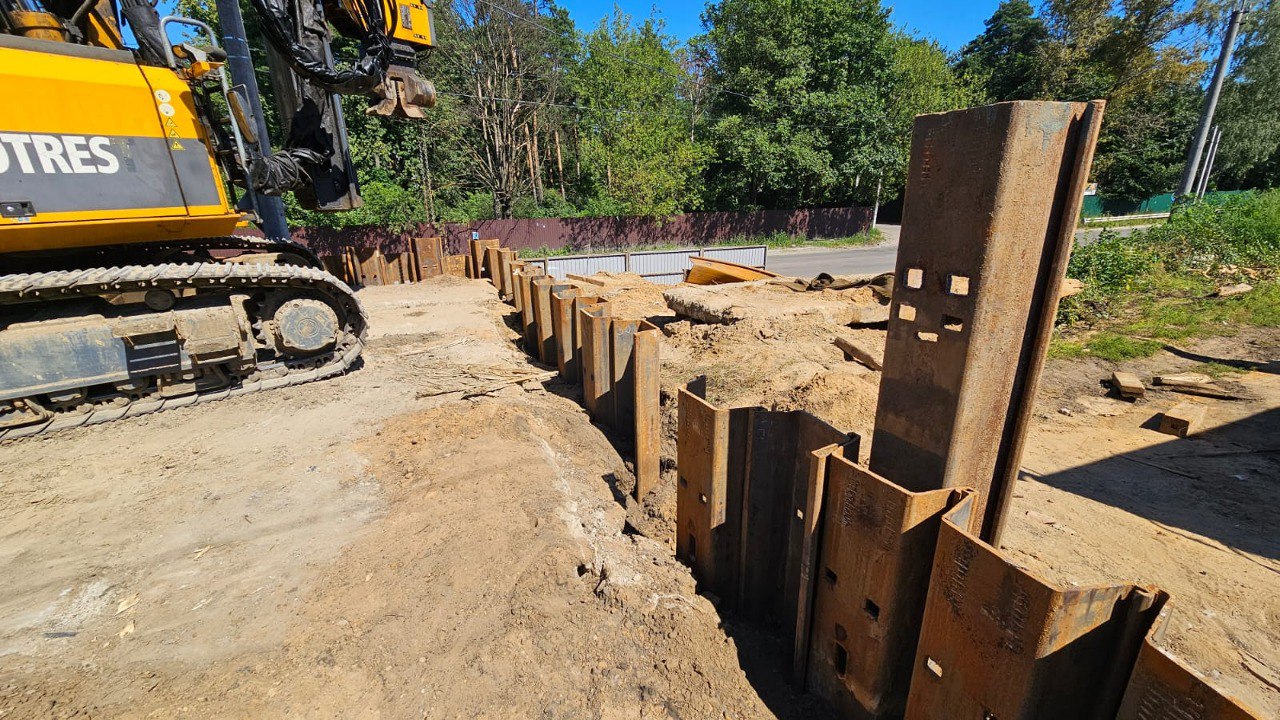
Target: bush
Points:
x,y
1201,243
1243,231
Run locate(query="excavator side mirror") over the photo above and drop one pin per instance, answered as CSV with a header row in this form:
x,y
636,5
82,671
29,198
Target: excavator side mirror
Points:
x,y
241,116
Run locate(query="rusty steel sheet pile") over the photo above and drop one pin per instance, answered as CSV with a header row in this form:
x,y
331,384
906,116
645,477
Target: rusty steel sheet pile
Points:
x,y
988,221
416,259
615,360
1000,641
887,579
745,486
872,578
1162,686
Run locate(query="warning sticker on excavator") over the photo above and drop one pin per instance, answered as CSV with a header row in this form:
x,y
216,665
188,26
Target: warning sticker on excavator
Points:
x,y
176,145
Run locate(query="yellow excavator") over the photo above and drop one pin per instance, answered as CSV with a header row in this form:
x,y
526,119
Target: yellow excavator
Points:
x,y
125,173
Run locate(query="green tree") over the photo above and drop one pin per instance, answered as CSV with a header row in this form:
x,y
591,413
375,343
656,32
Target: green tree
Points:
x,y
802,112
1007,60
639,150
923,82
1142,151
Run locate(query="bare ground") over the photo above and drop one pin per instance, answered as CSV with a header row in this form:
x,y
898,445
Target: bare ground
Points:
x,y
351,549
346,549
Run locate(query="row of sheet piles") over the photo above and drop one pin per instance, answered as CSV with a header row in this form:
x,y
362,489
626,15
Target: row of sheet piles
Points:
x,y
614,360
893,607
421,258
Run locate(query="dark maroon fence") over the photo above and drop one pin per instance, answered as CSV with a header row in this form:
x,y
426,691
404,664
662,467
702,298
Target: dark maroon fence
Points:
x,y
585,234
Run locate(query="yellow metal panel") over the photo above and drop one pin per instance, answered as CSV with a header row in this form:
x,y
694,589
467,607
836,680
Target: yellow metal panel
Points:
x,y
60,94
410,21
123,231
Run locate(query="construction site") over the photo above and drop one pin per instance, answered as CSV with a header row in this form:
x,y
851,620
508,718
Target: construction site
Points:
x,y
444,478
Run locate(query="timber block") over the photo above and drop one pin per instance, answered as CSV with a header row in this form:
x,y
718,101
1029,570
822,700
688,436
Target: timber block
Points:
x,y
1183,419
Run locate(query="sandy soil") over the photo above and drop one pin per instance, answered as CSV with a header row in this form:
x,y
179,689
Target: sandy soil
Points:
x,y
347,549
391,544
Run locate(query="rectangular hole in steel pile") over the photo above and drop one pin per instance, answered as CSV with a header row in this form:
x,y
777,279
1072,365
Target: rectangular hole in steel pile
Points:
x,y
952,323
830,575
933,666
872,609
915,278
684,482
988,715
702,498
906,312
842,660
958,285
927,337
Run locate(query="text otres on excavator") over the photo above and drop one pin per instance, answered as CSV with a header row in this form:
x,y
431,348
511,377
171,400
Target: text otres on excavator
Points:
x,y
125,173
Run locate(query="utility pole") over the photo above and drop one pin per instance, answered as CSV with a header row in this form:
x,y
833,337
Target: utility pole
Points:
x,y
1216,140
270,209
1211,101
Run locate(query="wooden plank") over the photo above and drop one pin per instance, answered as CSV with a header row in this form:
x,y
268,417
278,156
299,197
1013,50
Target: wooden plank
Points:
x,y
866,356
585,279
647,374
1128,385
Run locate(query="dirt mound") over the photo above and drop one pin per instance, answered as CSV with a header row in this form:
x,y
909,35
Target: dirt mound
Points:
x,y
769,300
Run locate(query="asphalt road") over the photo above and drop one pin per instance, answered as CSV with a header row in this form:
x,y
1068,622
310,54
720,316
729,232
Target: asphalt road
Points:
x,y
807,262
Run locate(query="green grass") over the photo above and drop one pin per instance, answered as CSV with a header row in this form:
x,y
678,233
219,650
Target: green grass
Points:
x,y
775,241
1216,370
1157,286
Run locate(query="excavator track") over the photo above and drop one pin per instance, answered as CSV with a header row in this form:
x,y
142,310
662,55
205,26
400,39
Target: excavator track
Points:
x,y
207,277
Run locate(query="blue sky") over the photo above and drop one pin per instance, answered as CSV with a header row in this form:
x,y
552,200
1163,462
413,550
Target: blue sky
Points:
x,y
949,22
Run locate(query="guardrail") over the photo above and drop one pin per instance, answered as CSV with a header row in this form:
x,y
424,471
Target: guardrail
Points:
x,y
664,267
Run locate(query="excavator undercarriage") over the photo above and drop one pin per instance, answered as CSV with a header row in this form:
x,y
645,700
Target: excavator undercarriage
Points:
x,y
81,347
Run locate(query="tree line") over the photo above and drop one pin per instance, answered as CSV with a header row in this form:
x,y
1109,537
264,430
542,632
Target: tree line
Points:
x,y
783,104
